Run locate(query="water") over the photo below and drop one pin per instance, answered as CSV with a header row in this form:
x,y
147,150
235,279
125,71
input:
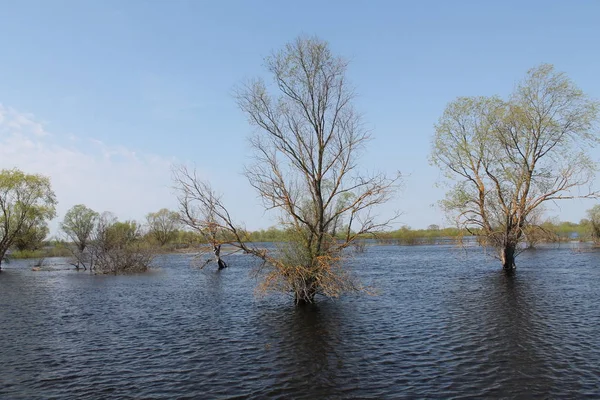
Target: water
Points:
x,y
444,323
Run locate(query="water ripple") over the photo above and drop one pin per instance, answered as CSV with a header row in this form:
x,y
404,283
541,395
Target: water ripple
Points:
x,y
445,324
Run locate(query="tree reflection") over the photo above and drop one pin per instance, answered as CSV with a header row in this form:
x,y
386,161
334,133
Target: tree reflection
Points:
x,y
306,344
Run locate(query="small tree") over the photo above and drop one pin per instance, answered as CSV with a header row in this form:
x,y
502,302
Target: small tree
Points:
x,y
201,210
594,223
508,157
78,225
25,201
306,149
118,248
163,225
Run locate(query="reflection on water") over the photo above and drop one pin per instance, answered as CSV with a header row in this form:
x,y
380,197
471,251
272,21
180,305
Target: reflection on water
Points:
x,y
309,338
507,335
445,324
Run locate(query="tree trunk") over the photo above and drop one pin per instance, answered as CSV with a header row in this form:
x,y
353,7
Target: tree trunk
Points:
x,y
222,264
217,250
306,294
303,298
507,256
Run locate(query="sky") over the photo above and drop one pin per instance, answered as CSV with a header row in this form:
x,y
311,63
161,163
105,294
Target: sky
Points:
x,y
105,96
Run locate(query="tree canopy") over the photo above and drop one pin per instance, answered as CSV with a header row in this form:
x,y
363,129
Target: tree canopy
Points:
x,y
78,224
507,157
306,148
26,200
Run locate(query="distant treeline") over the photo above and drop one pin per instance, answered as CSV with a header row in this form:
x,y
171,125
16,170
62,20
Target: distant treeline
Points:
x,y
549,231
183,240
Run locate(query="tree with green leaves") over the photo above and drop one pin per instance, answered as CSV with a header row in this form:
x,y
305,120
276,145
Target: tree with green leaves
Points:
x,y
33,239
507,157
594,222
117,247
163,225
111,246
306,147
25,200
78,225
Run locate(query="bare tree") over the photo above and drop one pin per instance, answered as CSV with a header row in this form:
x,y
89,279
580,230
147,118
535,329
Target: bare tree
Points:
x,y
508,157
306,148
117,247
201,210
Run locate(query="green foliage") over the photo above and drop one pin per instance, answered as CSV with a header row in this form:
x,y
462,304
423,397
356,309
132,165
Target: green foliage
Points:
x,y
33,239
272,234
78,224
163,225
53,250
594,223
185,239
26,202
118,247
408,236
506,157
121,234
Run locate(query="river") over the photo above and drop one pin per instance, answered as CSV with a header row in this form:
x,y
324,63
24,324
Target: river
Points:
x,y
441,322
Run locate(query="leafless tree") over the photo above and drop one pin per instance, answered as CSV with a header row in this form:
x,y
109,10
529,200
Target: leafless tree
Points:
x,y
306,149
117,247
202,210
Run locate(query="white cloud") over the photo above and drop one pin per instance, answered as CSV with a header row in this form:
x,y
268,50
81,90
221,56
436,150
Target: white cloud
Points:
x,y
21,121
104,177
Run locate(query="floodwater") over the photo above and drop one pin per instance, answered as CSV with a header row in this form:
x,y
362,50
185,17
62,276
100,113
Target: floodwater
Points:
x,y
443,323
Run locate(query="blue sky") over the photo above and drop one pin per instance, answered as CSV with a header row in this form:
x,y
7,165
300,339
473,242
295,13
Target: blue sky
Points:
x,y
104,95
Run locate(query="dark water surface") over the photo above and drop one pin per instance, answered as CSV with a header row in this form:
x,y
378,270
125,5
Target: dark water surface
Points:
x,y
444,324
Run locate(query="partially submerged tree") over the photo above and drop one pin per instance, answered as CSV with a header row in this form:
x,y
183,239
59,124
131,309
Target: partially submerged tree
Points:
x,y
508,157
25,201
163,225
201,210
306,147
118,248
78,225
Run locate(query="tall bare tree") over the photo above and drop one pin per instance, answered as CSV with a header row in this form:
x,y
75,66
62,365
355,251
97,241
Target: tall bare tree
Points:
x,y
25,201
508,157
306,148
